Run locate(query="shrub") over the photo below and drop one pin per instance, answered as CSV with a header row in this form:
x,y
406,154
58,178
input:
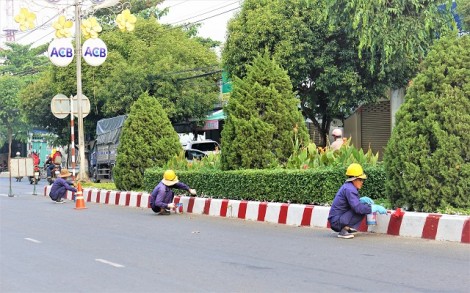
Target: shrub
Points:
x,y
148,139
262,119
427,158
279,185
311,157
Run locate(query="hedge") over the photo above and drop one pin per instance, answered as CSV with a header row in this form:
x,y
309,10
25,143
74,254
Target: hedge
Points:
x,y
278,185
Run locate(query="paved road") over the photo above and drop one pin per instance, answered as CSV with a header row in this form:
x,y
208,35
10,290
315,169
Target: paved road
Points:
x,y
48,247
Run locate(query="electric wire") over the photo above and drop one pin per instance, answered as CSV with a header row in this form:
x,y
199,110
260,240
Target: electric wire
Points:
x,y
163,31
215,9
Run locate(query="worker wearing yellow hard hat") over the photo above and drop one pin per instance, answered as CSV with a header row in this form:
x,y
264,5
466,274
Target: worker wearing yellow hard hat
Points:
x,y
161,198
348,209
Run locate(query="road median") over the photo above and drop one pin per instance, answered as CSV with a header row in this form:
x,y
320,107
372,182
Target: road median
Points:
x,y
431,226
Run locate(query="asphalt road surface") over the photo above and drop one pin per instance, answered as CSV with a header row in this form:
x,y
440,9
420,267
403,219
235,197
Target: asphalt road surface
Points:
x,y
49,247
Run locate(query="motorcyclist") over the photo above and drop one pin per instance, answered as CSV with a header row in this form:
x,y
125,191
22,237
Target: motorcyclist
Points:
x,y
36,159
36,162
55,159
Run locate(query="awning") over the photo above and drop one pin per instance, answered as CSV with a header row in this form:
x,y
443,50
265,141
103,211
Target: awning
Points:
x,y
216,115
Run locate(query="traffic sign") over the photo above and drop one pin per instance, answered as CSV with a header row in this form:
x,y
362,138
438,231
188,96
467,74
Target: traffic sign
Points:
x,y
60,106
85,106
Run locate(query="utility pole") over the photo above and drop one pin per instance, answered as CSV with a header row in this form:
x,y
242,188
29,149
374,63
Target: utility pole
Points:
x,y
78,50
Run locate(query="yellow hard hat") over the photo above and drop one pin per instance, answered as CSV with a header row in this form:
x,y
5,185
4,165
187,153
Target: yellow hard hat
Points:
x,y
169,178
355,171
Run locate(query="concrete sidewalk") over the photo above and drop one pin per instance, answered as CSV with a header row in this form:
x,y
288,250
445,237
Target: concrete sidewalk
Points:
x,y
407,224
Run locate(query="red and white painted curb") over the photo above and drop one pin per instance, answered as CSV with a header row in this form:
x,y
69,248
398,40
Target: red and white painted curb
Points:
x,y
408,224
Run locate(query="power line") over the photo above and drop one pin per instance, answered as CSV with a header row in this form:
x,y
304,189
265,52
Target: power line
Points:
x,y
169,29
177,4
194,22
199,75
203,13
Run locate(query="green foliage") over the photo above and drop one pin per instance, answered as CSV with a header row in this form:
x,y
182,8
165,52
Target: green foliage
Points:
x,y
322,63
12,125
179,162
20,69
463,10
23,60
294,186
35,100
394,34
160,60
148,139
311,157
262,119
427,158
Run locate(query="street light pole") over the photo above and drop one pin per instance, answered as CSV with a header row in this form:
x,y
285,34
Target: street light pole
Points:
x,y
78,50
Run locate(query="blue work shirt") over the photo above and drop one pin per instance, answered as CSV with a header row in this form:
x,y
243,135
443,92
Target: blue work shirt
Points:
x,y
162,195
346,199
59,188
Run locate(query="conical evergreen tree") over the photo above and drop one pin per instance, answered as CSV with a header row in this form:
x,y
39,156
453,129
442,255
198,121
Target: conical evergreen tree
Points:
x,y
263,119
148,139
427,158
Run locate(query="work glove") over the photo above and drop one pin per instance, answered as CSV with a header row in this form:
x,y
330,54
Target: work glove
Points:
x,y
192,191
366,200
171,205
378,209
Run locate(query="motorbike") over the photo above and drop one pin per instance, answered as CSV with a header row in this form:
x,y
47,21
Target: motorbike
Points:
x,y
37,175
54,173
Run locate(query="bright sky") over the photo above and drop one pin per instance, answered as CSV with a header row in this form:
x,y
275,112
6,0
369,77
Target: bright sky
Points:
x,y
212,14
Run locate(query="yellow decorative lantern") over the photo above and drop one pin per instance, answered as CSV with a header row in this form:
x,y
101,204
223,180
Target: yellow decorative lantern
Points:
x,y
126,21
26,19
91,28
62,27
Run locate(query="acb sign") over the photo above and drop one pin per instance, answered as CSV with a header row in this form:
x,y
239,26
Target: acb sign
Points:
x,y
61,53
94,52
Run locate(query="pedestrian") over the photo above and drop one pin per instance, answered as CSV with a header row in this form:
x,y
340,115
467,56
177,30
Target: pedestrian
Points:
x,y
161,198
348,210
60,187
337,139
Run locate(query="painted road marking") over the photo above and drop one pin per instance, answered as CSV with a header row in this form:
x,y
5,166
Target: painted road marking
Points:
x,y
109,263
32,240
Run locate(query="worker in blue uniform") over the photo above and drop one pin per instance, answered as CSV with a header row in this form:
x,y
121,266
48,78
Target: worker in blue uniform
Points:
x,y
161,198
348,209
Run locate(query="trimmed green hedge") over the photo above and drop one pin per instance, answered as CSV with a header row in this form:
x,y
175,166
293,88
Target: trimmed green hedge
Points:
x,y
278,185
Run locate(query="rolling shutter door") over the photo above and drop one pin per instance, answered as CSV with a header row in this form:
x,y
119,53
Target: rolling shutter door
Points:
x,y
375,127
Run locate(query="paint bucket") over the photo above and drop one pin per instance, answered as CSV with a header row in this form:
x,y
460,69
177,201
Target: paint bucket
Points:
x,y
179,208
372,219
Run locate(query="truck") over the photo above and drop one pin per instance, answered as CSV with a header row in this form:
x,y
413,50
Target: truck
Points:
x,y
104,151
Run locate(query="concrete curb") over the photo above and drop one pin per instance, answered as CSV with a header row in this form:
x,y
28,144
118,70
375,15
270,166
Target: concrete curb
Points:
x,y
408,224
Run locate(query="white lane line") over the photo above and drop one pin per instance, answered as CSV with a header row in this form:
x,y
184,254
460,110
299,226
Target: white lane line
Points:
x,y
32,240
109,263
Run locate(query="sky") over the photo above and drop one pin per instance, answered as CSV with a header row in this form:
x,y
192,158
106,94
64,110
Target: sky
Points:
x,y
213,16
